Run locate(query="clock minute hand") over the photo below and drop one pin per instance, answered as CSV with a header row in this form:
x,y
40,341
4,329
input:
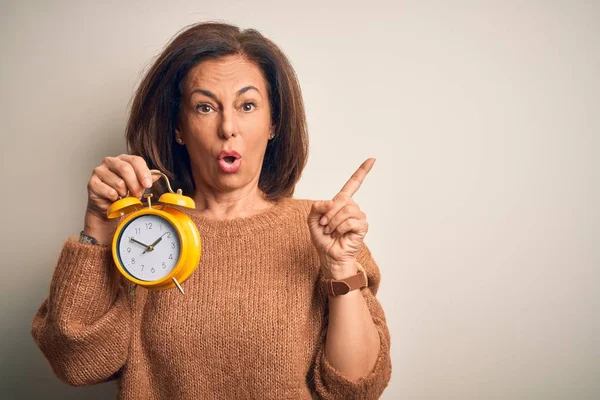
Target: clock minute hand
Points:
x,y
151,247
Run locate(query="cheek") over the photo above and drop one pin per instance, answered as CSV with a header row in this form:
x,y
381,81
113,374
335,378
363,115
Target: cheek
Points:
x,y
259,127
256,143
201,137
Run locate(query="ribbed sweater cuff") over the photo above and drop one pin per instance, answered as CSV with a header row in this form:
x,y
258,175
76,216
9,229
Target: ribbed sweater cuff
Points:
x,y
367,387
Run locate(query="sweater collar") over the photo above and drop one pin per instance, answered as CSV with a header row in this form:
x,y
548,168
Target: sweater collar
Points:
x,y
268,218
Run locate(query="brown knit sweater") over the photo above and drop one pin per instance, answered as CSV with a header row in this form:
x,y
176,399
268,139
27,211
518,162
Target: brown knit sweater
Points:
x,y
251,325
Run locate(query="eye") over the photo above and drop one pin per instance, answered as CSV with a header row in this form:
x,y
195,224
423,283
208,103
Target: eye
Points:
x,y
204,108
249,106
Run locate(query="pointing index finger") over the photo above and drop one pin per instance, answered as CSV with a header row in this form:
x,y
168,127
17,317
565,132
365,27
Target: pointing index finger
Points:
x,y
358,177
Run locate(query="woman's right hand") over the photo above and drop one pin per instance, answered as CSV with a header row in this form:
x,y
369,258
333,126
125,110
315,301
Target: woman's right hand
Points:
x,y
111,179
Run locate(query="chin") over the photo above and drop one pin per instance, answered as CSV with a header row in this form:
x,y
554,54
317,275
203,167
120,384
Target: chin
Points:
x,y
232,182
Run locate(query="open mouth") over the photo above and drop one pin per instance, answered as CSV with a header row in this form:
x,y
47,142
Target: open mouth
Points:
x,y
230,161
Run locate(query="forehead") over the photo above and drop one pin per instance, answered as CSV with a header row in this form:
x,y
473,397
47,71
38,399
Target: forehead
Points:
x,y
228,73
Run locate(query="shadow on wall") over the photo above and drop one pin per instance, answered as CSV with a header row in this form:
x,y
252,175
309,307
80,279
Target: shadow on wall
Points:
x,y
24,371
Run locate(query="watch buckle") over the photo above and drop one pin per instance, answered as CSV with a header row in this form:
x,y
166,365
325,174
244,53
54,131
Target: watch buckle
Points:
x,y
339,288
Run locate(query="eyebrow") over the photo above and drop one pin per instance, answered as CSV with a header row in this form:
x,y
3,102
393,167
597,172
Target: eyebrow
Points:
x,y
213,96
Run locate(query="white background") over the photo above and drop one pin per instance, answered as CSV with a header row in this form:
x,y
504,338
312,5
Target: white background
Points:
x,y
483,204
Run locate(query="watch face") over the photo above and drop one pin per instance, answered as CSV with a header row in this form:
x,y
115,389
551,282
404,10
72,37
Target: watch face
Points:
x,y
148,247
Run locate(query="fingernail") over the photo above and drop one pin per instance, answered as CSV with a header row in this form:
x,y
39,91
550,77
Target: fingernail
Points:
x,y
323,221
148,182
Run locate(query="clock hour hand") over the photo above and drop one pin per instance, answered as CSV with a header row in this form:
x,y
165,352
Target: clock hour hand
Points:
x,y
151,247
138,242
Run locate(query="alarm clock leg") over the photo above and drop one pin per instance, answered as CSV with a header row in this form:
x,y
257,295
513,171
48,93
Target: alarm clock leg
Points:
x,y
178,286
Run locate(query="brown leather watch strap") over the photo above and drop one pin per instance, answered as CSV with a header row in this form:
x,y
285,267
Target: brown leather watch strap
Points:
x,y
338,287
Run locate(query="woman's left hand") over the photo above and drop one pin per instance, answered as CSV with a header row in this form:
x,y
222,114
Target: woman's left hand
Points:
x,y
338,227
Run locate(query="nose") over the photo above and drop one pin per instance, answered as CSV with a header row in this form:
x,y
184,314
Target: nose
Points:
x,y
228,126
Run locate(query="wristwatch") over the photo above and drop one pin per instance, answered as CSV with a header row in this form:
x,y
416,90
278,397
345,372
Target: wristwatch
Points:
x,y
83,238
338,287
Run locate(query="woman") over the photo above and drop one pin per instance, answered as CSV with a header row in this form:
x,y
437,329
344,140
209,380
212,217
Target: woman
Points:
x,y
221,113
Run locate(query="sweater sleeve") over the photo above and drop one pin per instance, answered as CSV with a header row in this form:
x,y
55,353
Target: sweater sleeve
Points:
x,y
332,384
83,326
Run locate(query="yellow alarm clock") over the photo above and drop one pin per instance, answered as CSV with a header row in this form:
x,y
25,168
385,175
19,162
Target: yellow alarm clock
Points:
x,y
155,246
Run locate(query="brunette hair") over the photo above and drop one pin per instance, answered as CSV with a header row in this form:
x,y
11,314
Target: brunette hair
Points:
x,y
155,109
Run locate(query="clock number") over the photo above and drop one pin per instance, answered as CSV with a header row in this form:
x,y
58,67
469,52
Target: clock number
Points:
x,y
133,260
138,230
129,249
170,256
164,265
152,270
160,226
148,225
169,235
172,245
142,267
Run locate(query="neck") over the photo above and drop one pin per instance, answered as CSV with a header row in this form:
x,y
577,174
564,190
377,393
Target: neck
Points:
x,y
240,203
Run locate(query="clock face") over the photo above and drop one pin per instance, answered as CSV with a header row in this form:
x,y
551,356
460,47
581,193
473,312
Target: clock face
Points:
x,y
149,247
